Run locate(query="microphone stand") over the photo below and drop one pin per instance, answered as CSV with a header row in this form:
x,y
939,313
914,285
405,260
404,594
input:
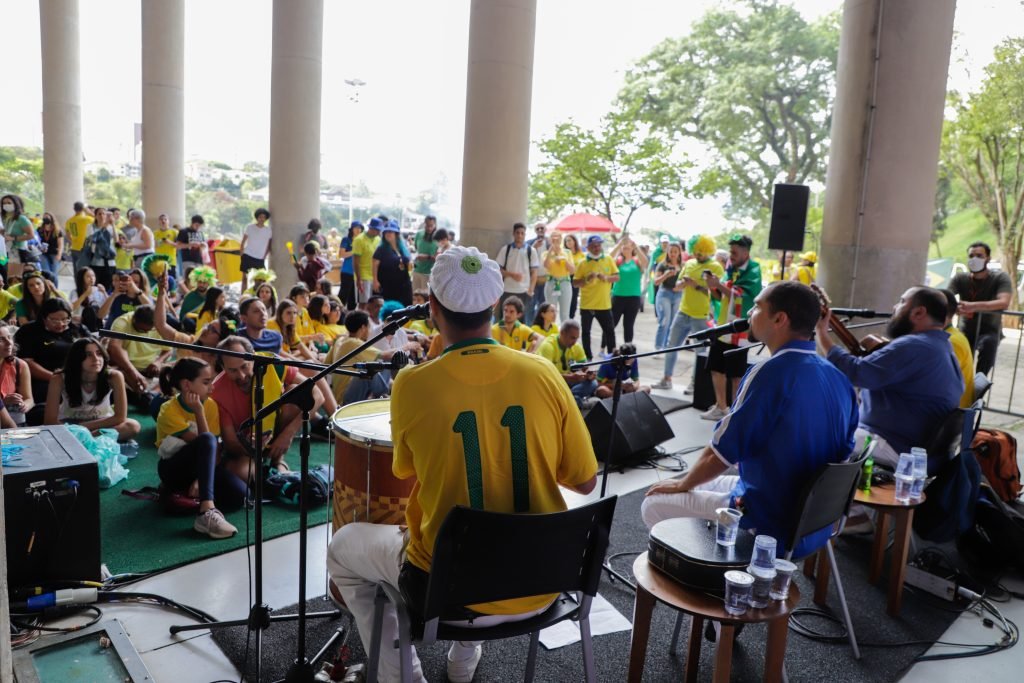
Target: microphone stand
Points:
x,y
259,617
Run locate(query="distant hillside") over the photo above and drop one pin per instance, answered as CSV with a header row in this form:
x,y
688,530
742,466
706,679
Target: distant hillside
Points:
x,y
963,228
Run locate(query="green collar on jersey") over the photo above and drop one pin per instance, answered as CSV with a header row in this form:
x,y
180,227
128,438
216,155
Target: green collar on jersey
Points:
x,y
469,342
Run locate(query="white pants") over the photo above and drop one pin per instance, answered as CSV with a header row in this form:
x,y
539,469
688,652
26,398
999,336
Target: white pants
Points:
x,y
701,502
562,298
360,556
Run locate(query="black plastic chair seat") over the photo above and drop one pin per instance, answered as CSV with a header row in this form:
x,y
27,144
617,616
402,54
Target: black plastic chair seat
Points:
x,y
563,607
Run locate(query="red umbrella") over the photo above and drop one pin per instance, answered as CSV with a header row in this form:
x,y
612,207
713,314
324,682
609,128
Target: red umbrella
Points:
x,y
585,222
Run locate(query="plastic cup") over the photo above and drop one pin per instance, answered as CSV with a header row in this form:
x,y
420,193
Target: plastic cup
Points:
x,y
783,578
759,592
737,591
764,552
728,525
905,465
920,471
904,487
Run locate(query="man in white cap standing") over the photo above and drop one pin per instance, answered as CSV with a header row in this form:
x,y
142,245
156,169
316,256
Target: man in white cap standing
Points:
x,y
473,418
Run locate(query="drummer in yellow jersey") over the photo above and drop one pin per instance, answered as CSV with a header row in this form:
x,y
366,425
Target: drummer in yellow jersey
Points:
x,y
484,398
512,333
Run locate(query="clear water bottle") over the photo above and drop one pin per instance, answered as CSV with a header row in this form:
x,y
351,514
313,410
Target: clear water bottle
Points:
x,y
920,471
130,449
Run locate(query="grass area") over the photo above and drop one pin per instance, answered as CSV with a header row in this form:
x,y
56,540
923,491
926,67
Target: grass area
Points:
x,y
963,228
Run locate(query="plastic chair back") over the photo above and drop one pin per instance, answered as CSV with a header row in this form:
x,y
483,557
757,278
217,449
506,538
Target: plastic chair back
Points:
x,y
826,498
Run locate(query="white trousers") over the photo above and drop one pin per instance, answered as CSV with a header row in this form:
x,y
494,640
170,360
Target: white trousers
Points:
x,y
359,557
701,502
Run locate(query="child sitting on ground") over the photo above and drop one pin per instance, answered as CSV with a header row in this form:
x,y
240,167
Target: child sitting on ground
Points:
x,y
630,375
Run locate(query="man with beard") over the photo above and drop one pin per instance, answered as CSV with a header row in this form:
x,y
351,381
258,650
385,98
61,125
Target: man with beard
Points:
x,y
909,385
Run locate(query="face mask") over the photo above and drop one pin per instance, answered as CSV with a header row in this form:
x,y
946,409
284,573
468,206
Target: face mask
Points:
x,y
8,208
976,264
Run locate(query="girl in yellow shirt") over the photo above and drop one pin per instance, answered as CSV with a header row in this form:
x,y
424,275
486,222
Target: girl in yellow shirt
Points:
x,y
285,322
544,321
320,313
215,301
560,265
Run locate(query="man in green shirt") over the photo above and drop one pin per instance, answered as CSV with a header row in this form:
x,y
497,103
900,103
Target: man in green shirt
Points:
x,y
737,293
426,252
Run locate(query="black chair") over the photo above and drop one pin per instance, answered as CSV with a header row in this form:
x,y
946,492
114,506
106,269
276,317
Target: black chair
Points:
x,y
482,556
945,441
981,385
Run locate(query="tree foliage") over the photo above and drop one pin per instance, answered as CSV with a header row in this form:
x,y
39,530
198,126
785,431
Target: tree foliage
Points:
x,y
983,146
611,172
754,85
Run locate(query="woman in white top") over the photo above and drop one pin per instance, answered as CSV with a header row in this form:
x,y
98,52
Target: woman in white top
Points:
x,y
139,235
89,392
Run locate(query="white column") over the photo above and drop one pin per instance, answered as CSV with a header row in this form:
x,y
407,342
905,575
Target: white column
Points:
x,y
884,166
163,109
62,106
499,89
296,75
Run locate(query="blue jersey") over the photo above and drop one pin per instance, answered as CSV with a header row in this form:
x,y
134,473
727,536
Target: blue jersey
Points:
x,y
793,414
606,372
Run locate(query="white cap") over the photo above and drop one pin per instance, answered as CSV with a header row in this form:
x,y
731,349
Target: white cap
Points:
x,y
465,280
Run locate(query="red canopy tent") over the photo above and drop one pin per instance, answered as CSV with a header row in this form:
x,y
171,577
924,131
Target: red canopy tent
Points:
x,y
585,222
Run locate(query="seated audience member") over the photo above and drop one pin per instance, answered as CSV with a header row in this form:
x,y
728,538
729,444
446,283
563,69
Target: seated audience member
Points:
x,y
563,350
468,388
312,266
284,323
403,339
233,392
126,297
15,378
209,335
511,332
321,311
216,299
200,279
90,393
254,326
544,322
793,414
139,362
35,290
630,375
8,302
299,294
265,292
961,349
324,287
186,435
258,277
89,299
44,345
909,385
350,389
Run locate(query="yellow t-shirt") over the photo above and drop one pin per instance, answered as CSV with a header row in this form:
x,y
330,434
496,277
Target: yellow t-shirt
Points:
x,y
697,304
175,419
202,320
77,229
559,265
595,295
330,332
124,259
518,339
806,274
7,303
423,327
167,250
551,332
304,324
339,383
964,357
578,257
502,432
363,246
561,357
140,354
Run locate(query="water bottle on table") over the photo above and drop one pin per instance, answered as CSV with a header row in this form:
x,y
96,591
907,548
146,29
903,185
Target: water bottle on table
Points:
x,y
920,471
904,477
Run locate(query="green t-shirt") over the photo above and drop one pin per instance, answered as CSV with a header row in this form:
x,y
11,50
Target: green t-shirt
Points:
x,y
630,276
192,301
748,279
21,230
424,246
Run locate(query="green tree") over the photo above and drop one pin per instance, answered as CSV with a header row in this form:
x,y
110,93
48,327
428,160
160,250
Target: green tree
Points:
x,y
752,84
943,191
21,173
983,146
612,172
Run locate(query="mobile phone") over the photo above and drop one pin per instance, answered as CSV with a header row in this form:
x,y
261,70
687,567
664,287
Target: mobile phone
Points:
x,y
705,273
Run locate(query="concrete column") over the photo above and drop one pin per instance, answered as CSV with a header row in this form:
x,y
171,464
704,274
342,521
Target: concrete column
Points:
x,y
62,107
163,110
499,89
882,170
296,75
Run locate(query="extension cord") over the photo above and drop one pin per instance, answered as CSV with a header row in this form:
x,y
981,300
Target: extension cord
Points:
x,y
930,583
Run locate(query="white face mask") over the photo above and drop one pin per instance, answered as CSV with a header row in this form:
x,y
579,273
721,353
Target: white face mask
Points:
x,y
8,208
976,264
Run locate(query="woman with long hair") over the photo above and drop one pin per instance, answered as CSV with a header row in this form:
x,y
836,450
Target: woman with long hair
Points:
x,y
320,314
626,292
348,282
666,301
51,236
559,264
266,293
215,301
391,264
285,321
15,378
35,289
104,249
16,226
89,392
571,244
544,321
90,297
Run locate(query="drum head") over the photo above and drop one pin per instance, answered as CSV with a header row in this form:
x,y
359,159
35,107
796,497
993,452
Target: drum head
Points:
x,y
366,423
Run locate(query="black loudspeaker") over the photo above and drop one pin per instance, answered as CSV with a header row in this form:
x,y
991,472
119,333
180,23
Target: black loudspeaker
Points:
x,y
639,427
789,217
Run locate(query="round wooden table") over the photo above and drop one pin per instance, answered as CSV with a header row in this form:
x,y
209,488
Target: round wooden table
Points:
x,y
652,586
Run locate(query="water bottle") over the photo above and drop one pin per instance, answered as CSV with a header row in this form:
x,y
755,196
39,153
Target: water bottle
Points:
x,y
920,471
130,449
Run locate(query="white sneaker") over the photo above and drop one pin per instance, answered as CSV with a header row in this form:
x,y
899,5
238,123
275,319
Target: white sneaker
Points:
x,y
663,384
213,524
462,671
713,413
688,391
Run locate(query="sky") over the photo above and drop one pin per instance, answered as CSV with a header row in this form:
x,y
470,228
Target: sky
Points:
x,y
406,129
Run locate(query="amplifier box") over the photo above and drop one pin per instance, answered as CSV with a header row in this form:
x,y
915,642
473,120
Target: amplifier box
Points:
x,y
51,508
686,550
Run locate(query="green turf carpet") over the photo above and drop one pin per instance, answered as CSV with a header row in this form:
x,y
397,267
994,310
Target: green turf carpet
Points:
x,y
138,537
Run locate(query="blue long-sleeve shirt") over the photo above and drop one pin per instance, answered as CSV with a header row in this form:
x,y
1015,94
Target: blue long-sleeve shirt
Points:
x,y
908,386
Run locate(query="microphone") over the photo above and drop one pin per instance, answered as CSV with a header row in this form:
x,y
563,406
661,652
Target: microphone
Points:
x,y
860,313
738,325
416,312
397,362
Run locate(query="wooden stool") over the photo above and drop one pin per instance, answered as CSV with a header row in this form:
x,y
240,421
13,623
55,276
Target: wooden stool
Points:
x,y
652,586
882,499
